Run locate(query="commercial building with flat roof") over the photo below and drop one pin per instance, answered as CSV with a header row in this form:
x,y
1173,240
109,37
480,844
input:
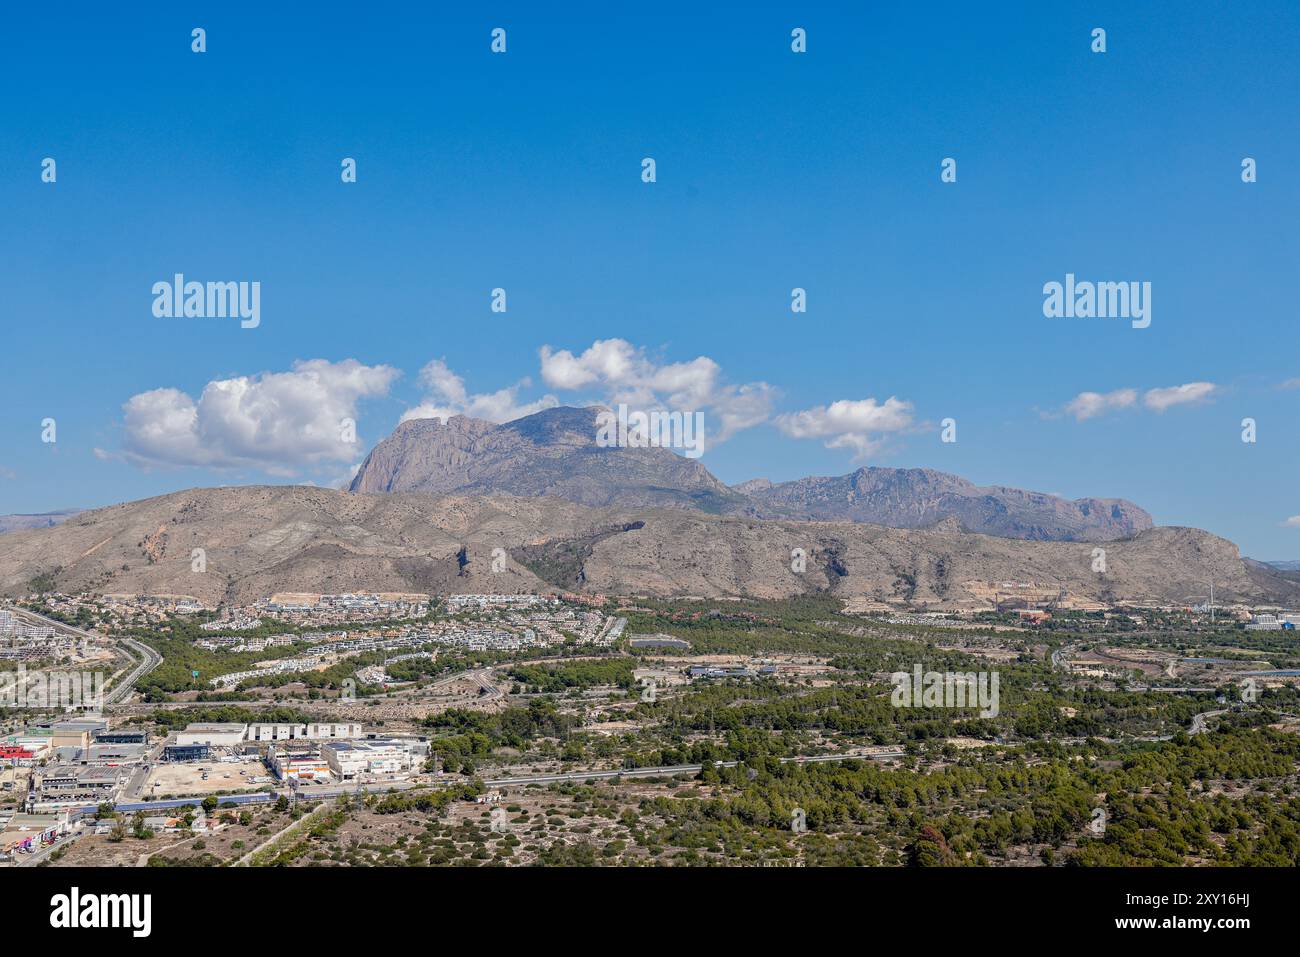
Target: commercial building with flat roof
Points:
x,y
186,752
113,754
319,731
351,759
298,765
64,785
121,736
213,735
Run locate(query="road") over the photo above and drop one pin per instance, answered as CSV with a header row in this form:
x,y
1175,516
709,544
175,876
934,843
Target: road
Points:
x,y
1061,657
1198,720
314,792
482,677
675,769
148,658
484,680
36,857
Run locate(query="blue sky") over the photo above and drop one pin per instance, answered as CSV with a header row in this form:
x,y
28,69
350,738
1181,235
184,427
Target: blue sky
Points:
x,y
775,170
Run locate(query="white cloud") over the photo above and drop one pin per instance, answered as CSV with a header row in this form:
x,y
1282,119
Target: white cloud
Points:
x,y
859,424
622,372
447,396
1160,399
276,421
1085,405
1292,522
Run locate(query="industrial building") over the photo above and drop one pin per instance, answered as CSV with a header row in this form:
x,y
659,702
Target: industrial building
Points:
x,y
112,755
1287,621
322,731
63,785
213,735
19,755
351,759
298,765
186,752
68,734
122,736
24,833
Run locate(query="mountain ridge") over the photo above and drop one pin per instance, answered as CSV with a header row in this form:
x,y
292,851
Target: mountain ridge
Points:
x,y
554,453
258,540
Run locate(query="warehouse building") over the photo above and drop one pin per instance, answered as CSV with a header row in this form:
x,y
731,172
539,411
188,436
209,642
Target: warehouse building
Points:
x,y
186,752
112,755
213,735
298,765
122,736
65,785
351,759
322,731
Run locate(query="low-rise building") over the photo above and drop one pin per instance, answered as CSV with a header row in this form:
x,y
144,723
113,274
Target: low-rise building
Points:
x,y
121,736
186,752
67,785
19,756
24,833
298,765
113,755
351,759
320,731
213,735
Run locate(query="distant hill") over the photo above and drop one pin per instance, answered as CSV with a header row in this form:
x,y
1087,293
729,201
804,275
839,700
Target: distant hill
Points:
x,y
554,453
10,523
259,540
916,498
1285,566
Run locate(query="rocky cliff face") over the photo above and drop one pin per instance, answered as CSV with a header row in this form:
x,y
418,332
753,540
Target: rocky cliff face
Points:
x,y
553,453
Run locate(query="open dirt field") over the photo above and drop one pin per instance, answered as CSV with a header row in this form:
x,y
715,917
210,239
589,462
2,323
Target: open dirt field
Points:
x,y
183,780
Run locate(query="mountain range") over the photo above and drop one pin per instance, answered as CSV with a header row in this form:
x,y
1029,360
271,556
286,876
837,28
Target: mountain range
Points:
x,y
432,502
555,453
9,523
257,540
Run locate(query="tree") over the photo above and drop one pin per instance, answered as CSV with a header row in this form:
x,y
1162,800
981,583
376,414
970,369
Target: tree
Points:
x,y
137,827
929,849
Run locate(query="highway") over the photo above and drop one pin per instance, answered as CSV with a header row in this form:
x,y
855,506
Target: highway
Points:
x,y
670,770
315,792
1198,721
148,658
